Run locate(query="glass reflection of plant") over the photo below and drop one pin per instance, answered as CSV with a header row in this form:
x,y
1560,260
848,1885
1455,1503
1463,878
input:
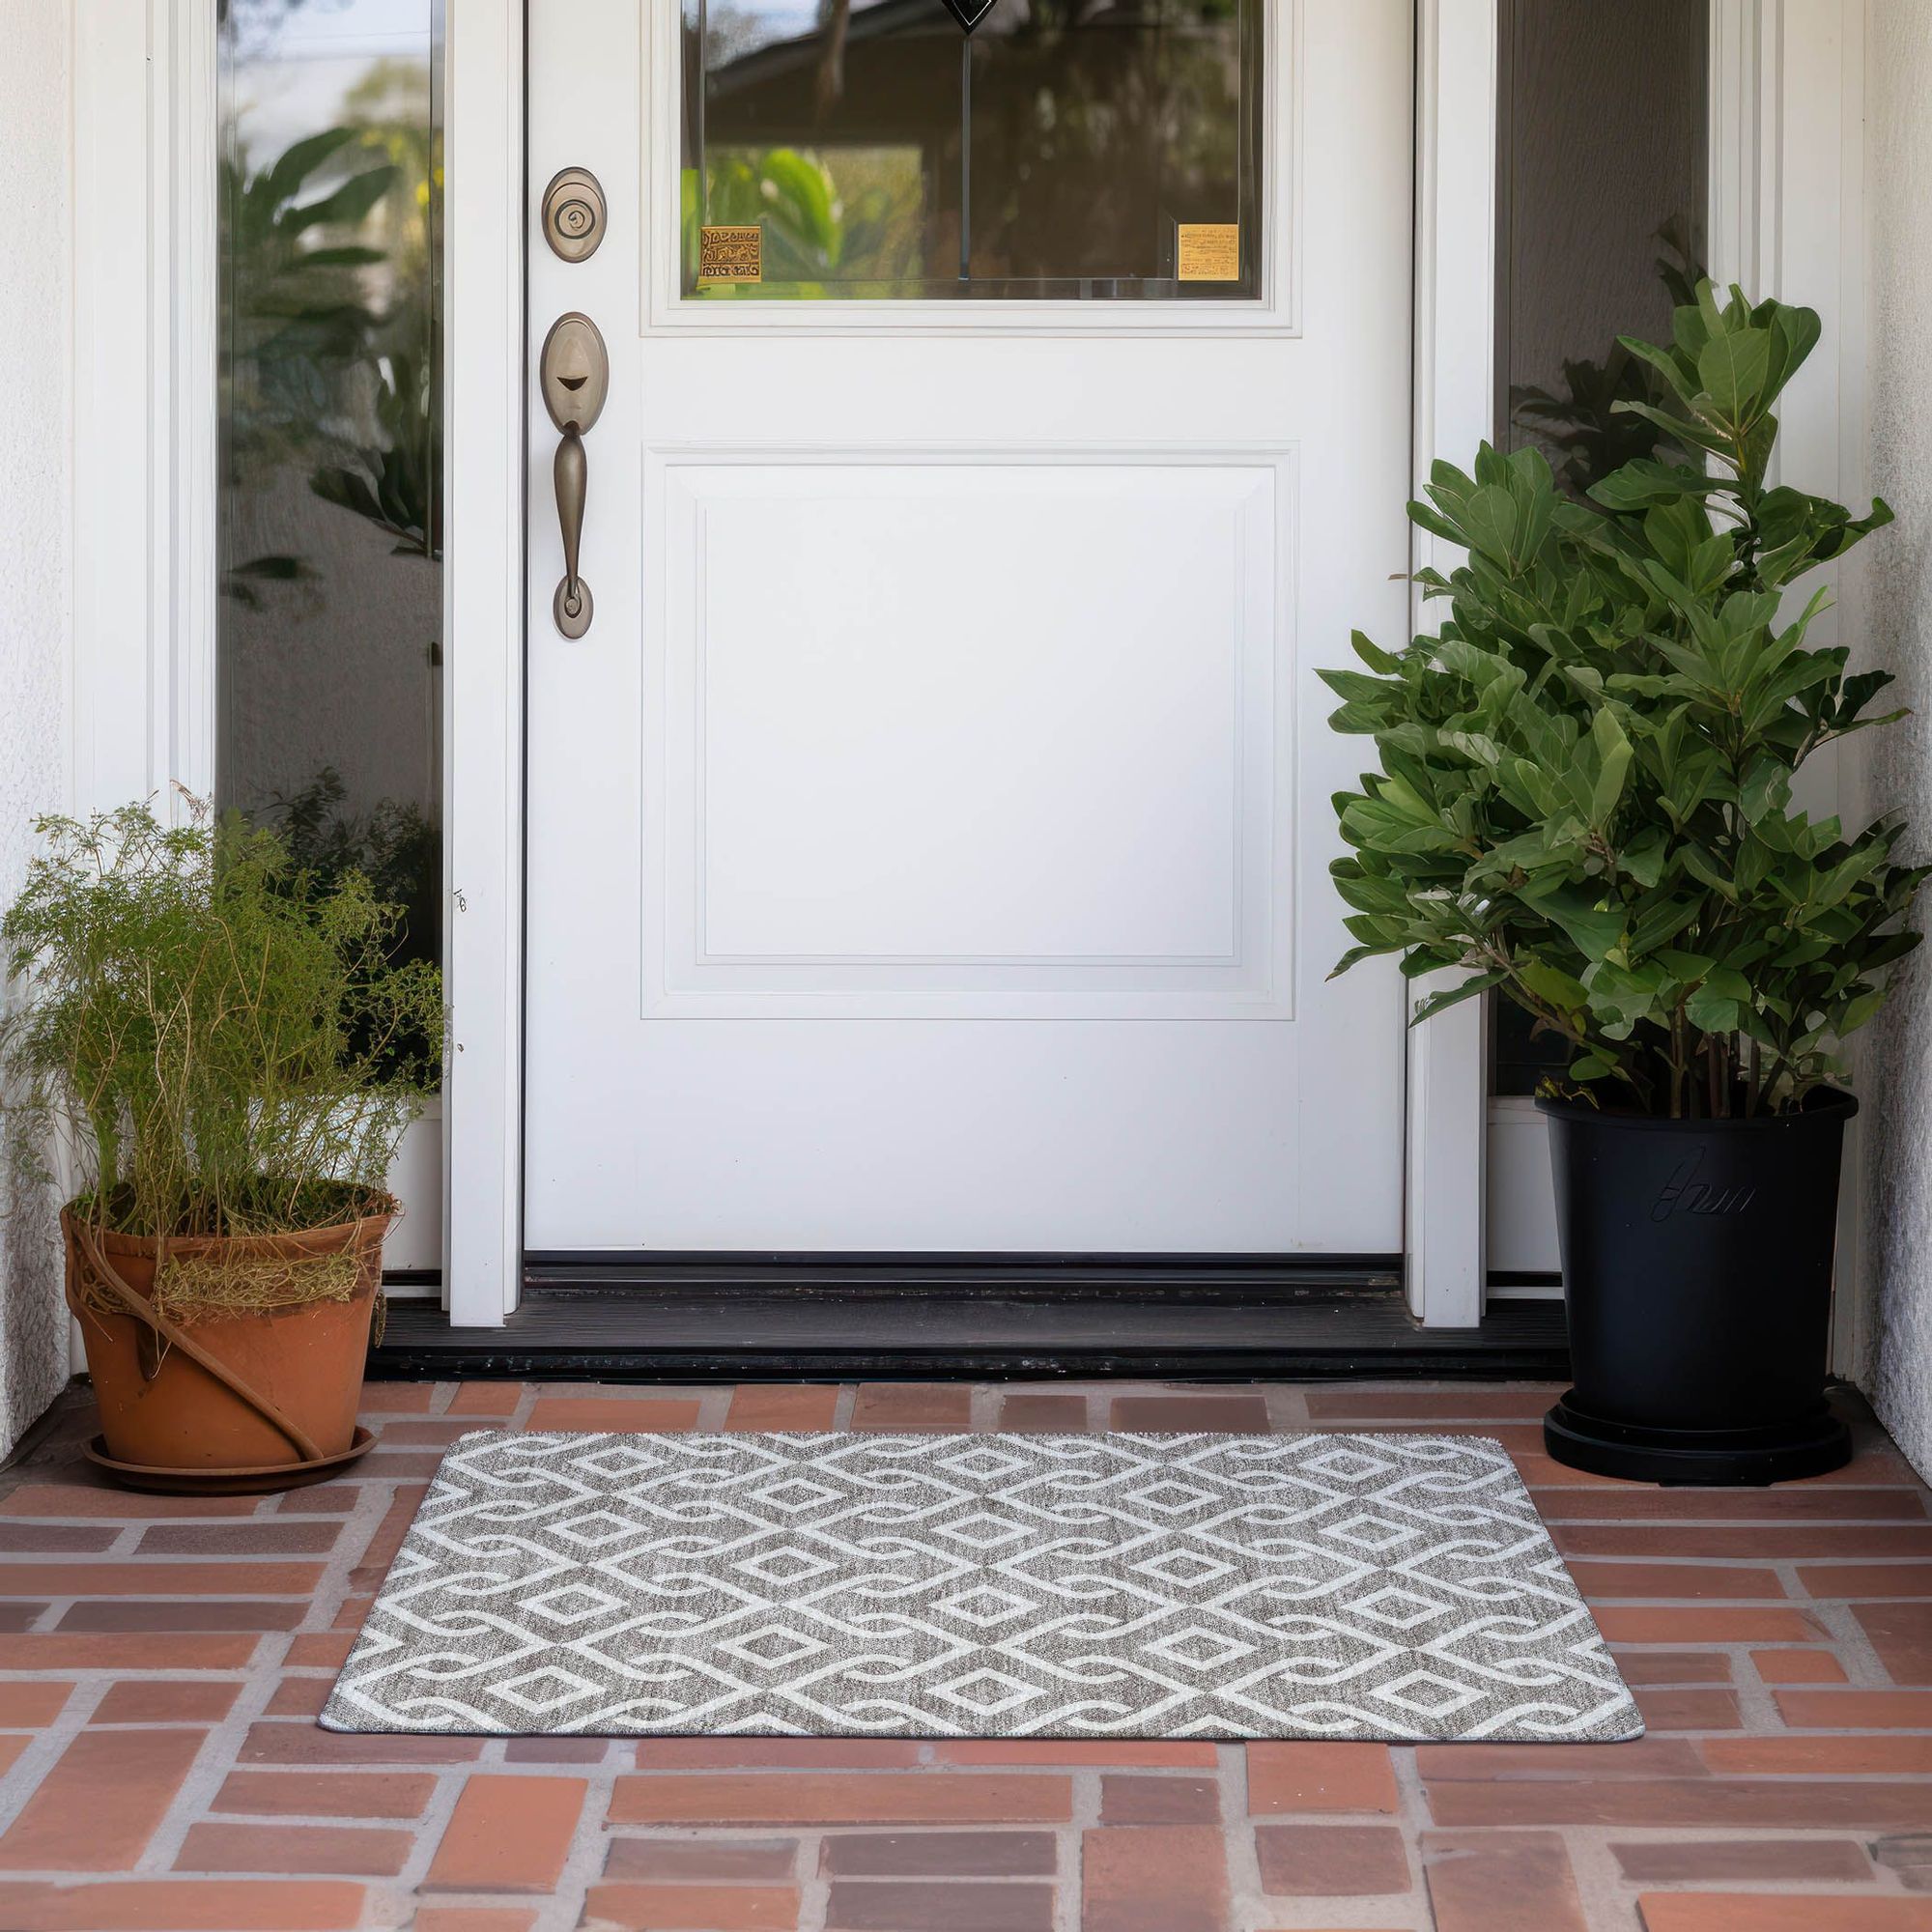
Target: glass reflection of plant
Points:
x,y
1582,431
391,477
297,316
1093,129
1088,123
392,482
395,847
330,369
330,343
854,214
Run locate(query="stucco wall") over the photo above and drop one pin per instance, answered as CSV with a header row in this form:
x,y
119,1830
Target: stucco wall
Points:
x,y
1898,1060
35,598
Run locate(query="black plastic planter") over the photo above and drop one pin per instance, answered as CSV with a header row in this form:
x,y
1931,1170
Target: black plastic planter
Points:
x,y
1697,1271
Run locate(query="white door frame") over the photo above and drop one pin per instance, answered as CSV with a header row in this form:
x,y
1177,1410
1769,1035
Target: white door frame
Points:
x,y
1786,158
1455,362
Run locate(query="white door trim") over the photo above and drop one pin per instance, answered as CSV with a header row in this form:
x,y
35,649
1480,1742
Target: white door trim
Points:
x,y
1787,219
484,214
144,426
144,363
1455,360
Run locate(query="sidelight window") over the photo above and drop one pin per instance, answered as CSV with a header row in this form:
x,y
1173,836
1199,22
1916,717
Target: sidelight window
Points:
x,y
330,647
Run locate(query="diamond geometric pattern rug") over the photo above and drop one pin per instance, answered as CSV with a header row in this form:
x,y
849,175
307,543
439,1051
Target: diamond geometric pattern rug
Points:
x,y
1110,1585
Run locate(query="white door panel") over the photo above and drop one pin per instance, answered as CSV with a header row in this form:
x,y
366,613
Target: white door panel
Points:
x,y
1057,788
927,843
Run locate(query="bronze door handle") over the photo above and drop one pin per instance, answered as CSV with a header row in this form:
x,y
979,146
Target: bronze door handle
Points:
x,y
575,371
571,605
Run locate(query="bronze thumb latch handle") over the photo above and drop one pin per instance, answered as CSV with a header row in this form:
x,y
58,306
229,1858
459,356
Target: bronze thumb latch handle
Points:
x,y
575,372
572,603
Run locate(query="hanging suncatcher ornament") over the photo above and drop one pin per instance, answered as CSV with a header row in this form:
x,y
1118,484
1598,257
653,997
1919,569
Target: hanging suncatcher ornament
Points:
x,y
968,12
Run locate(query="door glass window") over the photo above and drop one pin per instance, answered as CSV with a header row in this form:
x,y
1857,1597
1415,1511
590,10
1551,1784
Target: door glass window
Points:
x,y
1105,150
328,533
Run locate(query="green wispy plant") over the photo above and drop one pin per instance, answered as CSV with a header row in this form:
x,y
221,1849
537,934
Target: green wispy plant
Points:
x,y
211,1046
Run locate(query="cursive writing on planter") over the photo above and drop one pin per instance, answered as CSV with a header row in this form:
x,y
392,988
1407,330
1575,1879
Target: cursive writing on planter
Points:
x,y
1685,1194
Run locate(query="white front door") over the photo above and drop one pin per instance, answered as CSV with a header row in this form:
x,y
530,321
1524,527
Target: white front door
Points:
x,y
927,839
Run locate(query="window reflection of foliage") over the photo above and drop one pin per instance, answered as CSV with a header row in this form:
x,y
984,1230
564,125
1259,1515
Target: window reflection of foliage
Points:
x,y
1581,427
394,846
391,478
298,312
330,371
794,196
250,28
854,214
329,351
1102,124
1095,129
389,484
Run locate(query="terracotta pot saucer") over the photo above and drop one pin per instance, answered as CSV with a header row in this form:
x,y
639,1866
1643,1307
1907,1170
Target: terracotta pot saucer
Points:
x,y
227,1482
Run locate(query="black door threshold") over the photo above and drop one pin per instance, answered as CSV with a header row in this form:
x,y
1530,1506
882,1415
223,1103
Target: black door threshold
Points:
x,y
954,1332
889,1276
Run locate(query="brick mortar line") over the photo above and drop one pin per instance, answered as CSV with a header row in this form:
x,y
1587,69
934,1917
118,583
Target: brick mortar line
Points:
x,y
1756,1708
220,1748
428,1830
1412,1815
1596,1841
27,1773
583,1861
1854,1650
1245,1890
814,1886
526,1401
1069,1890
1609,1901
173,1559
1287,1408
1558,1519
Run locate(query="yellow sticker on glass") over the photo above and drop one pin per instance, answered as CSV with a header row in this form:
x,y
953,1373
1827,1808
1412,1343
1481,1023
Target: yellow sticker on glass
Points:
x,y
1210,251
730,254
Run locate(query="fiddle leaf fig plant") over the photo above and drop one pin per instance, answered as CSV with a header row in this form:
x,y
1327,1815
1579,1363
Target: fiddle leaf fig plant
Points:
x,y
1586,796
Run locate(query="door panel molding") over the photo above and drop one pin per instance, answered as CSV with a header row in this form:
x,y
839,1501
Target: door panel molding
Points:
x,y
1026,673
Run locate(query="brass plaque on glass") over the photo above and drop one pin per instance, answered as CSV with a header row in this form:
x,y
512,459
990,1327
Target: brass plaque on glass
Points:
x,y
1210,251
730,254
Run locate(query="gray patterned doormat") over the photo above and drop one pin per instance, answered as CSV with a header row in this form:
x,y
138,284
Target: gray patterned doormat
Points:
x,y
1398,1587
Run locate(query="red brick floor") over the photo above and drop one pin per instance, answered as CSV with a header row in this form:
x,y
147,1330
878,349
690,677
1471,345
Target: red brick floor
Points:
x,y
161,1662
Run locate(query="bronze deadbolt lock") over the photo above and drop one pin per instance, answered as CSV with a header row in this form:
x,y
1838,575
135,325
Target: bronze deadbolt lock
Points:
x,y
574,214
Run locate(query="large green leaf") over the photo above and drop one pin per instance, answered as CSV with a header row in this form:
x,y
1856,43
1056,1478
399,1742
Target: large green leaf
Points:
x,y
1491,520
1732,369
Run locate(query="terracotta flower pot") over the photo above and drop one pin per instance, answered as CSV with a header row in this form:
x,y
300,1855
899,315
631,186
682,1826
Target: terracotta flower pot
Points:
x,y
251,1390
